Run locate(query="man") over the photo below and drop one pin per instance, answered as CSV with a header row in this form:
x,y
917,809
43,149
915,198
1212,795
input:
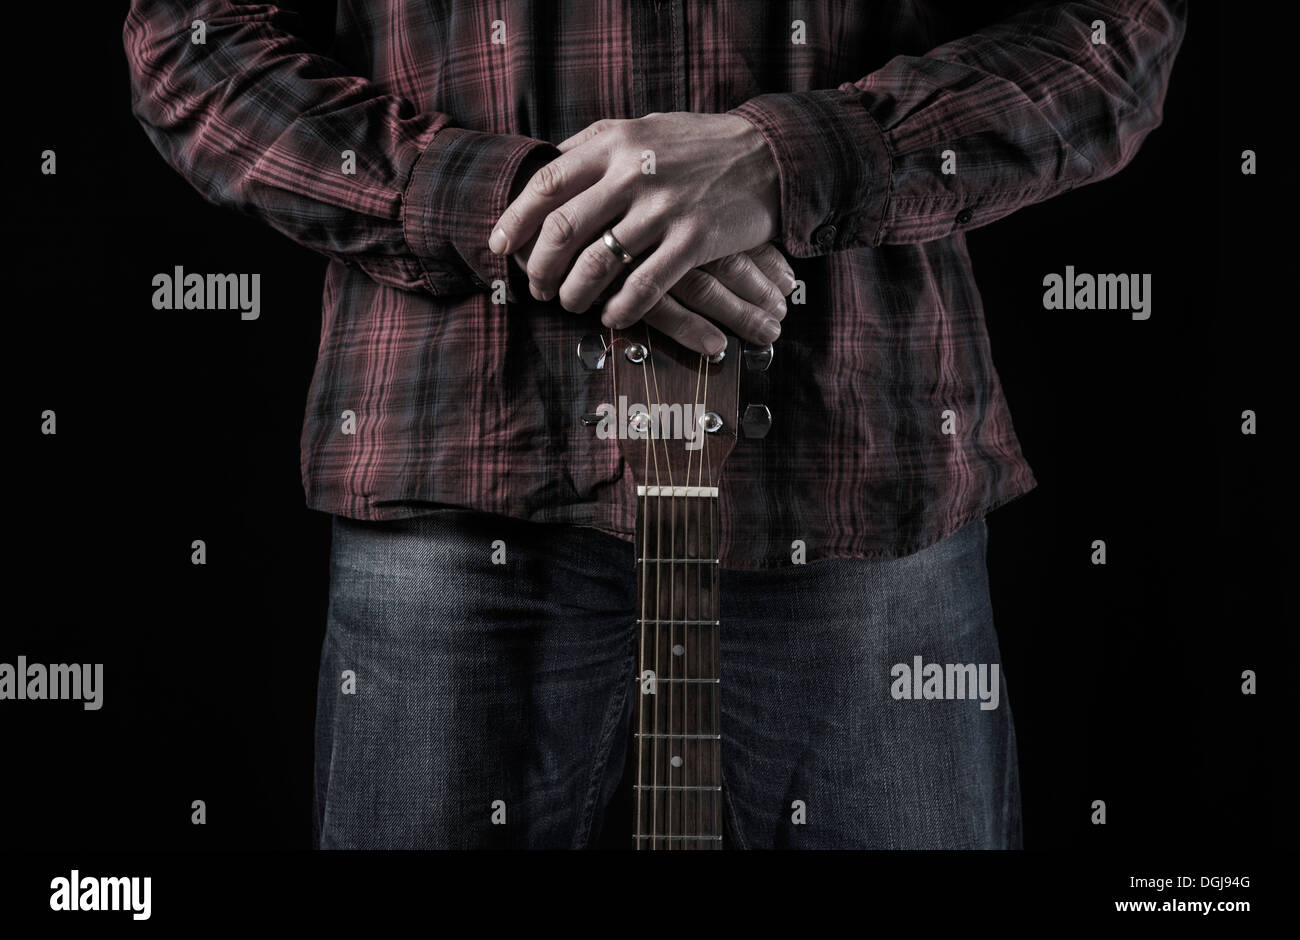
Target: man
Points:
x,y
488,703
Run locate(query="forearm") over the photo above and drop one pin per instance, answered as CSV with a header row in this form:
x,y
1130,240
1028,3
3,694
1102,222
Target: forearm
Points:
x,y
1007,116
257,120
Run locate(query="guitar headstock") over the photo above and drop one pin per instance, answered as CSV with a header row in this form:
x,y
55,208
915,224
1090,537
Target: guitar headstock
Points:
x,y
675,413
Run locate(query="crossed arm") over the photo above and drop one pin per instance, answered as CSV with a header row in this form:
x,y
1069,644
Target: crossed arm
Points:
x,y
1031,105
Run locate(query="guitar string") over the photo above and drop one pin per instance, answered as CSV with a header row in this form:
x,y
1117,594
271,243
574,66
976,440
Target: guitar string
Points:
x,y
651,451
638,679
715,691
654,682
689,759
700,613
644,634
715,643
659,540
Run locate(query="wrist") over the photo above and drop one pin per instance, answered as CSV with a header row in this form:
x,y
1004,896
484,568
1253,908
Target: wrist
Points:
x,y
762,171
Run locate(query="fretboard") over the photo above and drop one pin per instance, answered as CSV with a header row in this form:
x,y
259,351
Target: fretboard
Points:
x,y
677,726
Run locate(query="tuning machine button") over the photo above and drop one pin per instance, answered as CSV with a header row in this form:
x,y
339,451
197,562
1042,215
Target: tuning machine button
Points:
x,y
756,421
757,358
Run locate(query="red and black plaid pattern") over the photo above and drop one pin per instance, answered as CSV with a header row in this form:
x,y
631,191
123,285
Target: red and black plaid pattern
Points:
x,y
461,401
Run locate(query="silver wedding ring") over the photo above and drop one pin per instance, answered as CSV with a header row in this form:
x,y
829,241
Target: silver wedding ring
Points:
x,y
616,246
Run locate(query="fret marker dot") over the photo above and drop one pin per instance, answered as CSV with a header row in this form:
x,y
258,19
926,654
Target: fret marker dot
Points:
x,y
678,650
677,761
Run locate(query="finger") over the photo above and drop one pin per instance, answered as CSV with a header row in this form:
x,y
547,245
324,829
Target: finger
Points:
x,y
566,231
522,254
690,329
551,186
598,267
741,275
644,286
774,266
587,133
706,295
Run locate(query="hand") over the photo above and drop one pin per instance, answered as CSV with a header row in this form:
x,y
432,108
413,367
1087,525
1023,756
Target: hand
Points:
x,y
743,291
712,194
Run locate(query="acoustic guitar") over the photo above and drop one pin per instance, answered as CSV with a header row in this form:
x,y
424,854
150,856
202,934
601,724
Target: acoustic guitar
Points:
x,y
677,422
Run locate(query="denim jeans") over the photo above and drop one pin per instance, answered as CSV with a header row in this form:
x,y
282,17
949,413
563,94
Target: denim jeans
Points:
x,y
467,704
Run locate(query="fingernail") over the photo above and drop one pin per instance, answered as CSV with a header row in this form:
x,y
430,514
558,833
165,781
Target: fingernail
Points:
x,y
497,242
780,306
769,331
714,346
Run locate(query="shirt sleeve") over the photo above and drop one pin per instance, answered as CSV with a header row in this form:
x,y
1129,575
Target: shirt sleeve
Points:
x,y
1029,107
257,120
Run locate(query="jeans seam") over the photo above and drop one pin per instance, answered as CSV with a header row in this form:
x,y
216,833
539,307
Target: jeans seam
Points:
x,y
600,763
731,811
1014,839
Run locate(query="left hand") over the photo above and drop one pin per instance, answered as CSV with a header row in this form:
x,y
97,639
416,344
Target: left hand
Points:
x,y
713,192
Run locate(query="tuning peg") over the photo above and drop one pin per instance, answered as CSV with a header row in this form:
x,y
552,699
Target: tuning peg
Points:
x,y
591,350
757,358
756,421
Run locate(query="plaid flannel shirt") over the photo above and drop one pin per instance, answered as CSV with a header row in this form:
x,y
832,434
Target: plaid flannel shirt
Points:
x,y
460,401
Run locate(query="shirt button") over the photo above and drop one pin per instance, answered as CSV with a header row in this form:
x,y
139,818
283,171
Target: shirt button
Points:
x,y
824,236
964,216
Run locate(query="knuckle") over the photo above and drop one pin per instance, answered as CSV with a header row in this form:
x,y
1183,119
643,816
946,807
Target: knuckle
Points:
x,y
548,180
592,264
713,295
773,302
595,261
691,285
660,203
731,266
615,133
685,228
751,322
625,171
692,233
768,259
558,228
643,285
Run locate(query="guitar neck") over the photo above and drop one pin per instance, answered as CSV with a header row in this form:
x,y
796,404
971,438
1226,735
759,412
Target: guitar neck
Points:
x,y
678,731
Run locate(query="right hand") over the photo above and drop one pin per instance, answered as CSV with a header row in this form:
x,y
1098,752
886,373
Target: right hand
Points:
x,y
740,292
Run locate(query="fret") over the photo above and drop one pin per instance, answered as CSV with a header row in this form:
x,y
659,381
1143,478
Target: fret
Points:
x,y
677,735
678,561
693,813
679,838
677,751
679,765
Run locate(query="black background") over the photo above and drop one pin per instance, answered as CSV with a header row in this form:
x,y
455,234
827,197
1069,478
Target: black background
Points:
x,y
175,425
